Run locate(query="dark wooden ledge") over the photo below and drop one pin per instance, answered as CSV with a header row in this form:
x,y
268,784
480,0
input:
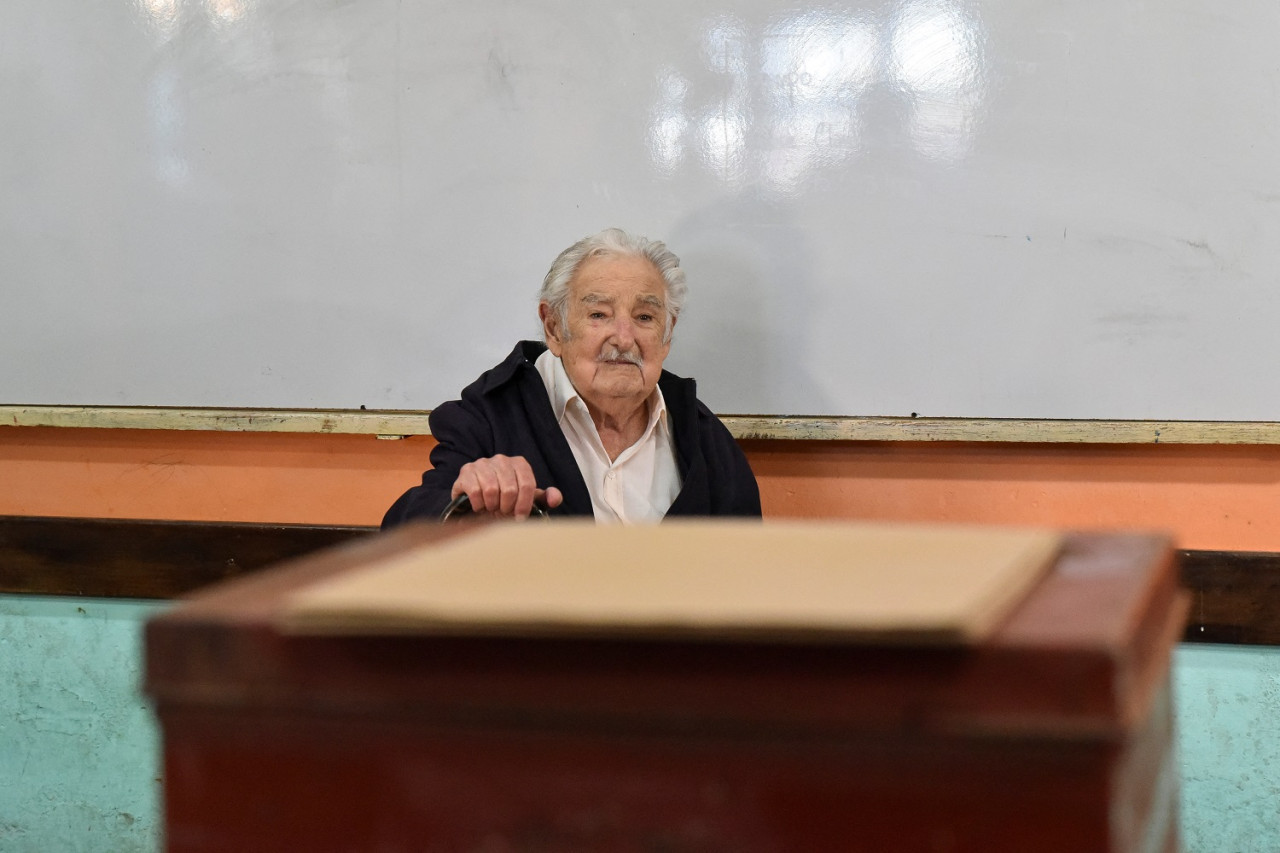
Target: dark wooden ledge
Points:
x,y
145,559
1235,597
1235,594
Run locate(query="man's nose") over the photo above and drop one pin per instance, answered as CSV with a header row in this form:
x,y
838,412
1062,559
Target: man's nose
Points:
x,y
624,333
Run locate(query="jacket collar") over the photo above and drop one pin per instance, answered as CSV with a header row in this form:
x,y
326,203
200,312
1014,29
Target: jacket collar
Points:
x,y
521,358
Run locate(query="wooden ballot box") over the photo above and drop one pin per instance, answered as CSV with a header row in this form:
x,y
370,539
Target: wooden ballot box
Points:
x,y
1053,733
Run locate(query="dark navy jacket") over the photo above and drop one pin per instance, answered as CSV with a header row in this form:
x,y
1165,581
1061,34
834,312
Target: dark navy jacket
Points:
x,y
507,411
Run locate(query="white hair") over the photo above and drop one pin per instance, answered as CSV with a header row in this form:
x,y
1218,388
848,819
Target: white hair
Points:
x,y
614,241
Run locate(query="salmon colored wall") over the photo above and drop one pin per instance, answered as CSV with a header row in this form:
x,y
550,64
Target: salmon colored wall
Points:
x,y
1208,497
1214,497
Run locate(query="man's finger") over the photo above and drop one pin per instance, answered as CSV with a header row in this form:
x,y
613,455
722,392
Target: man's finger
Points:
x,y
472,481
527,487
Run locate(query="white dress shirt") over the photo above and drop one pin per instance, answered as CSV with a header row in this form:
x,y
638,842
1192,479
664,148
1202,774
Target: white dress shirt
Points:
x,y
641,484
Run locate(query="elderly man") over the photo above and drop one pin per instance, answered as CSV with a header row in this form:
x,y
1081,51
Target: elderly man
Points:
x,y
589,423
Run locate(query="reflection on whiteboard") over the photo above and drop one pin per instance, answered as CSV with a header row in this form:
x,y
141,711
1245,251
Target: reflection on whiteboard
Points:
x,y
812,69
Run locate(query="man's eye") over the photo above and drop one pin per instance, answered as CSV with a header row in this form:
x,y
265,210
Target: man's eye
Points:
x,y
596,315
645,318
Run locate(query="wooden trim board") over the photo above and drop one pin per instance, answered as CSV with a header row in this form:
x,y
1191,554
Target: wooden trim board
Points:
x,y
397,424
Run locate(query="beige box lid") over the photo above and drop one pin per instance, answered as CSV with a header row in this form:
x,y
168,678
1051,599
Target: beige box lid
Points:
x,y
782,580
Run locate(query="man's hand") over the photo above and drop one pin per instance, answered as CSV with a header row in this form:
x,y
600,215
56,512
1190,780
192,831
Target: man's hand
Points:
x,y
503,485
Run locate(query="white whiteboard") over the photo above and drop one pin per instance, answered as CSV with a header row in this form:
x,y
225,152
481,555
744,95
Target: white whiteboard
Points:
x,y
972,209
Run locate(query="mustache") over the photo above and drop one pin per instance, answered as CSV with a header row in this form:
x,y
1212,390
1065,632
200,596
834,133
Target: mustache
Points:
x,y
615,354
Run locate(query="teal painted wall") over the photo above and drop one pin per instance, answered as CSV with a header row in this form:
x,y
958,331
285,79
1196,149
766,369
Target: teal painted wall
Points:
x,y
79,755
1228,708
79,751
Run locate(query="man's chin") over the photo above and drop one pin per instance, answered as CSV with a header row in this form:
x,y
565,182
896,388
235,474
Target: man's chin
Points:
x,y
615,385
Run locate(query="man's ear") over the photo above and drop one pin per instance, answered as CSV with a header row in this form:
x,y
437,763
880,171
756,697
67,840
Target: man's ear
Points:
x,y
551,328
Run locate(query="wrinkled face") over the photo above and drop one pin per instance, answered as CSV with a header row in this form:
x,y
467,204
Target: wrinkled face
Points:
x,y
613,348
